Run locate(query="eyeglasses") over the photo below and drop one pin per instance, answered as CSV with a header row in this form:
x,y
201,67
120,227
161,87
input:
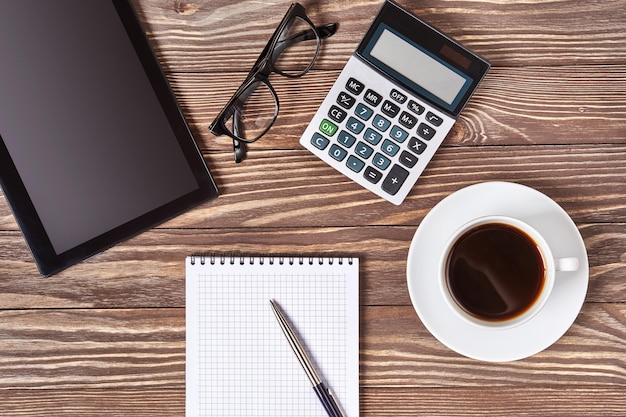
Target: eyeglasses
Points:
x,y
290,52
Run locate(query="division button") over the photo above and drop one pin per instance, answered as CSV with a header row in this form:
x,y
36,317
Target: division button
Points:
x,y
425,131
395,179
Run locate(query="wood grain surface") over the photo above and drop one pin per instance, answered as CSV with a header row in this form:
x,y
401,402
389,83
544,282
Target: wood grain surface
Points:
x,y
107,336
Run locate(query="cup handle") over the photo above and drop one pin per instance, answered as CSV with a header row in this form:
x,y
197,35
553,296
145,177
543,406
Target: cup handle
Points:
x,y
566,264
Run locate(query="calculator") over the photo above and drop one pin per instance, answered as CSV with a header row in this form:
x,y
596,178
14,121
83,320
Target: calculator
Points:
x,y
393,103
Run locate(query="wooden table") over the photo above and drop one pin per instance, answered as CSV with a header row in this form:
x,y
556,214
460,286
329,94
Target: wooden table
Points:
x,y
107,337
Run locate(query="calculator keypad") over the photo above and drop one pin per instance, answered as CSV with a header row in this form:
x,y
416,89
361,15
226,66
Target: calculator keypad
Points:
x,y
376,133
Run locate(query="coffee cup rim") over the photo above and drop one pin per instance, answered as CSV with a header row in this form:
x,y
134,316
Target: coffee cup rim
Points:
x,y
549,272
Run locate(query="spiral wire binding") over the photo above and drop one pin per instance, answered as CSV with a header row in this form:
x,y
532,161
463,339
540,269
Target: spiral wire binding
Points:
x,y
251,259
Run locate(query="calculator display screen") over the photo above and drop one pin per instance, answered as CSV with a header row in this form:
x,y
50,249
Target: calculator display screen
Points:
x,y
419,66
422,59
422,70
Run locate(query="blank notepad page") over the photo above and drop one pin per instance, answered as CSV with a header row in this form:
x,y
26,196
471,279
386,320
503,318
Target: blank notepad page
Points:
x,y
239,362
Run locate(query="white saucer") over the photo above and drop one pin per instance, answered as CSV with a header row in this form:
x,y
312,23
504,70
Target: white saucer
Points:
x,y
508,199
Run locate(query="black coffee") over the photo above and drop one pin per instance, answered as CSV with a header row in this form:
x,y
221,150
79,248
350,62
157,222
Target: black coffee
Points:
x,y
495,272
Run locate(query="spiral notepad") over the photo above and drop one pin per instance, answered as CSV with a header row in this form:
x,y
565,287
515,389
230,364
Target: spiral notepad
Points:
x,y
238,361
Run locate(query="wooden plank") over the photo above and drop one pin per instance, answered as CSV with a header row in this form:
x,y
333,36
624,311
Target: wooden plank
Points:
x,y
397,350
145,348
494,401
148,270
375,401
296,189
93,402
220,35
513,106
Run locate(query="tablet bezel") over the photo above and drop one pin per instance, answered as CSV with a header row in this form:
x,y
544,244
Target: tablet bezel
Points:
x,y
48,261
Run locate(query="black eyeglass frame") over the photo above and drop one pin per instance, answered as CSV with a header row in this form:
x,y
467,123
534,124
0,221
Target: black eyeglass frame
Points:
x,y
260,72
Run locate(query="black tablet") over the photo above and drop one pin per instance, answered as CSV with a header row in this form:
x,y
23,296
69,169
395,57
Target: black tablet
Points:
x,y
93,148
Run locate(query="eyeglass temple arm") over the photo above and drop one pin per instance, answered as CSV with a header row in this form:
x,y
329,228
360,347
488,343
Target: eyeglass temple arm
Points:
x,y
239,147
323,32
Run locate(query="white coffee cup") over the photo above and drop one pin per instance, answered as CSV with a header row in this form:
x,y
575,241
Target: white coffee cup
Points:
x,y
498,272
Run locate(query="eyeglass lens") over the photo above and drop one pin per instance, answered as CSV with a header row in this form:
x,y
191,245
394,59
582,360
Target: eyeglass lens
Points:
x,y
296,48
256,108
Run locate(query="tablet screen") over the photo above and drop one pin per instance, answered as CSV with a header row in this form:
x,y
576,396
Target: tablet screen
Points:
x,y
89,124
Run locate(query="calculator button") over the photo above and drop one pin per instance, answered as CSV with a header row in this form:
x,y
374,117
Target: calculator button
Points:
x,y
363,150
319,141
417,146
337,114
397,134
337,152
381,123
354,125
389,147
407,120
397,96
345,100
354,86
433,119
346,139
390,109
395,179
372,175
415,107
355,164
425,131
381,161
372,97
372,136
328,127
407,159
363,112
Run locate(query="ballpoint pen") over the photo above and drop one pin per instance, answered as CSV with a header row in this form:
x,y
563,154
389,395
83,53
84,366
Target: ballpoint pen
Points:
x,y
323,393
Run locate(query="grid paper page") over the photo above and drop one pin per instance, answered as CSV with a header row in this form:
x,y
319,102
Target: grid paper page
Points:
x,y
239,362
